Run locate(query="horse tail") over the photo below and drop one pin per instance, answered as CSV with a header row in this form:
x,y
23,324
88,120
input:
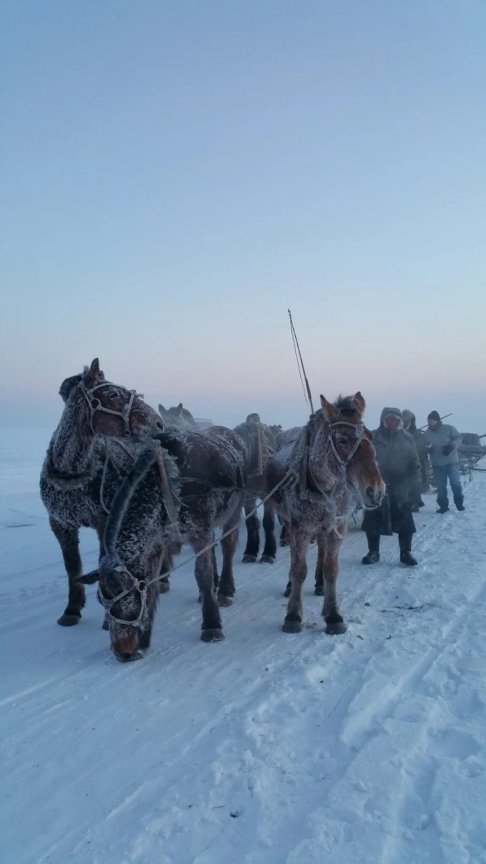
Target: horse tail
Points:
x,y
124,495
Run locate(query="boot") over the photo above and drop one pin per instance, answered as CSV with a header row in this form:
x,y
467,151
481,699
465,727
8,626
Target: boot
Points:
x,y
373,555
443,504
406,557
459,502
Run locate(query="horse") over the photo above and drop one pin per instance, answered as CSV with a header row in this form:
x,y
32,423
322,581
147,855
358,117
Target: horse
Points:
x,y
137,532
180,417
260,441
82,471
213,466
323,468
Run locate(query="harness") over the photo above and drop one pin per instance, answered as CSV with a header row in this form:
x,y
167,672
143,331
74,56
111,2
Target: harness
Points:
x,y
327,497
95,405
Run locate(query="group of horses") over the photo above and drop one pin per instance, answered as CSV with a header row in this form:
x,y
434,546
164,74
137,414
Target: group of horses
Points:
x,y
149,482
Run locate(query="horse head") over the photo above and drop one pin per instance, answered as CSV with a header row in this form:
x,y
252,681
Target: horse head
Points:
x,y
106,408
180,417
342,451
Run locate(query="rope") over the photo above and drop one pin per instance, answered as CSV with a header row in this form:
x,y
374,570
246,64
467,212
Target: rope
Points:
x,y
300,365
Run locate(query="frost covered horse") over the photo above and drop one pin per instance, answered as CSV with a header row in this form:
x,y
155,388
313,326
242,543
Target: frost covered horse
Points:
x,y
328,464
179,416
82,472
138,529
260,442
212,466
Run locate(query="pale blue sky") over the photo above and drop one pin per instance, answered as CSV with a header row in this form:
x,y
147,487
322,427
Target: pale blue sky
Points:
x,y
175,174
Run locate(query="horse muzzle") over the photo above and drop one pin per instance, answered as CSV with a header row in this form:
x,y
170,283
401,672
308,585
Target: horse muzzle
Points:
x,y
373,497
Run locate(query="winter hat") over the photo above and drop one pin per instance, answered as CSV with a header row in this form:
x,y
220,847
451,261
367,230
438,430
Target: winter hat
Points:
x,y
391,412
434,415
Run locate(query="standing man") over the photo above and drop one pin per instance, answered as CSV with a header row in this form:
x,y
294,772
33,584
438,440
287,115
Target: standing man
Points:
x,y
443,440
399,466
410,425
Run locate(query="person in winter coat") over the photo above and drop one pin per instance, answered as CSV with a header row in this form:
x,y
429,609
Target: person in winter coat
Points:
x,y
410,425
443,441
399,466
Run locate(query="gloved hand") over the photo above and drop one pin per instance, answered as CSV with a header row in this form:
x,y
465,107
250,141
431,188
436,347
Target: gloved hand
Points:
x,y
447,448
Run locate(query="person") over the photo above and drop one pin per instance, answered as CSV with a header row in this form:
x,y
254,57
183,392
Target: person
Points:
x,y
443,441
399,466
410,425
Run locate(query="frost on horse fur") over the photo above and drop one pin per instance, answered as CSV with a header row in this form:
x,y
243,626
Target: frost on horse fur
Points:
x,y
330,463
82,471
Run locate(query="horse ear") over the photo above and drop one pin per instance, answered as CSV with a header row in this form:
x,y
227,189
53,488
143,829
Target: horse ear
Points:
x,y
179,409
360,401
94,369
94,373
329,411
162,411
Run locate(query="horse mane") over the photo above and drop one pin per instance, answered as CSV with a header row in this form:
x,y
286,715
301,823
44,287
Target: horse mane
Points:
x,y
68,384
346,405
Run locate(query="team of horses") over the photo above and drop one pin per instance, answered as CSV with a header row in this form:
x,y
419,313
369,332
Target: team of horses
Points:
x,y
149,482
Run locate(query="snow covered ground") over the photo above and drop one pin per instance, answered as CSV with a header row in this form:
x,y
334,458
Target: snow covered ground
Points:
x,y
266,748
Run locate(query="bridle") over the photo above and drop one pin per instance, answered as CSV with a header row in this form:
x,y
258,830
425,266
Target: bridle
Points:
x,y
95,404
139,585
360,430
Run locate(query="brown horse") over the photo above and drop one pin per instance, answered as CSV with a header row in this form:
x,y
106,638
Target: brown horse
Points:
x,y
82,472
260,442
179,416
329,464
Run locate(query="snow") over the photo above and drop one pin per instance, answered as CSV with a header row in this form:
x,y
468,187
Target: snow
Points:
x,y
266,748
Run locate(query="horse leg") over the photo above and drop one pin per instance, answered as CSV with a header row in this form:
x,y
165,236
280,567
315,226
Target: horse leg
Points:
x,y
299,543
270,548
215,565
253,533
153,593
211,627
166,566
100,530
284,540
226,589
331,612
319,575
68,540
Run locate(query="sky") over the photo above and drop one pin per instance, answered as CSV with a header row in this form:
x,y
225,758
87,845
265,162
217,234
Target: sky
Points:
x,y
175,175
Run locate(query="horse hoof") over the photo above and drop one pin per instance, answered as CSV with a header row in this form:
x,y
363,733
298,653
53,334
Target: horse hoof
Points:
x,y
249,559
129,658
291,626
213,635
336,628
105,625
224,601
267,559
164,586
319,591
69,620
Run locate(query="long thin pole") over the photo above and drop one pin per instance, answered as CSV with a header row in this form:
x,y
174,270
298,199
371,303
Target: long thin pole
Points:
x,y
442,418
300,363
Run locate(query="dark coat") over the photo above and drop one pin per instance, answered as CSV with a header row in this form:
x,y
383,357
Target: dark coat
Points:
x,y
399,466
421,445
